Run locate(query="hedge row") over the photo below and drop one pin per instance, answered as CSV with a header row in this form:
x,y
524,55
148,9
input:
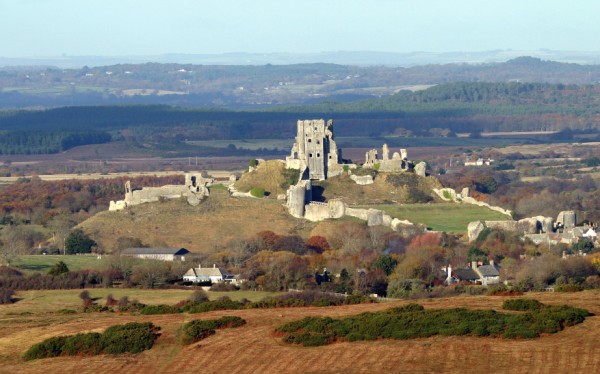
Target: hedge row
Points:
x,y
413,321
129,338
197,330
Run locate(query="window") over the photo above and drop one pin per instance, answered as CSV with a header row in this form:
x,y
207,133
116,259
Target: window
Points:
x,y
310,140
310,155
318,155
318,142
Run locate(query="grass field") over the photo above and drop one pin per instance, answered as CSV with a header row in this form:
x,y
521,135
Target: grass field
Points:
x,y
39,263
448,217
254,349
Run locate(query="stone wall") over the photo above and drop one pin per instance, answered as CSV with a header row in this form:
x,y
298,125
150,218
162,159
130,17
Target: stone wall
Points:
x,y
527,226
448,194
297,197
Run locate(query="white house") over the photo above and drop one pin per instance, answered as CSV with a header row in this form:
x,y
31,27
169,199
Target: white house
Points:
x,y
213,275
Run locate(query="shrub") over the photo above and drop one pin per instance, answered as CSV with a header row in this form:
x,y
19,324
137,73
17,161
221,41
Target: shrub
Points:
x,y
197,330
6,296
159,309
257,192
521,304
223,287
132,337
221,304
252,163
199,296
413,321
569,287
129,338
59,268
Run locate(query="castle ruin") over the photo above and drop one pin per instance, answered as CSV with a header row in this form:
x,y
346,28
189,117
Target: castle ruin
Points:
x,y
315,152
195,188
397,163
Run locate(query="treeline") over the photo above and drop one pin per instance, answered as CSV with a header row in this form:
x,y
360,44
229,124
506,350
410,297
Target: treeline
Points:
x,y
458,107
44,142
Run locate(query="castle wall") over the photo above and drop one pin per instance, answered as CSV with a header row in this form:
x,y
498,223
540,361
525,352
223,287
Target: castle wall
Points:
x,y
297,197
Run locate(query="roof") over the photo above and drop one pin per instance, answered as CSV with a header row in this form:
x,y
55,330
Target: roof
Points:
x,y
155,251
207,272
488,271
465,274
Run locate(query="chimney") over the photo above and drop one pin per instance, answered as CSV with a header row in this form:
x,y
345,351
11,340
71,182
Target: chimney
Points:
x,y
449,277
473,265
214,266
492,263
199,266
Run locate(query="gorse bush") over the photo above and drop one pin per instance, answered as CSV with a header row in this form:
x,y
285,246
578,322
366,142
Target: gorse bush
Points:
x,y
129,338
197,330
159,309
413,321
522,304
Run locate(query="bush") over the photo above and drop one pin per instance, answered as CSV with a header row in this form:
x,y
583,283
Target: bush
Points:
x,y
223,287
159,309
197,330
521,304
252,163
59,268
199,296
569,287
6,296
208,306
130,338
257,192
413,321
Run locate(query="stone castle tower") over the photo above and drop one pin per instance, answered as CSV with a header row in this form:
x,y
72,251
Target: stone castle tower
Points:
x,y
314,152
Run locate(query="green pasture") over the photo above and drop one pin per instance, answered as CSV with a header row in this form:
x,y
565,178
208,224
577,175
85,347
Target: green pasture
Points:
x,y
44,301
448,217
41,263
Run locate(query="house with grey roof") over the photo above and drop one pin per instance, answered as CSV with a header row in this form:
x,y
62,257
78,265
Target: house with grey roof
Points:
x,y
163,254
488,274
481,274
203,275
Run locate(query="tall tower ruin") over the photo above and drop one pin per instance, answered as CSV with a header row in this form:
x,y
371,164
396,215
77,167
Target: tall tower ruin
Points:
x,y
315,152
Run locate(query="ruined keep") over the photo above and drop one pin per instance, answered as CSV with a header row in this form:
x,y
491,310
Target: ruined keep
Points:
x,y
315,152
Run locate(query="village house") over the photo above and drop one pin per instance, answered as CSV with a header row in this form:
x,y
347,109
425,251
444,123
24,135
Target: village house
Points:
x,y
162,254
481,274
212,275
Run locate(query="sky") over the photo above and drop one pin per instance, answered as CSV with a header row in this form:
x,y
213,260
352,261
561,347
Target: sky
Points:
x,y
30,28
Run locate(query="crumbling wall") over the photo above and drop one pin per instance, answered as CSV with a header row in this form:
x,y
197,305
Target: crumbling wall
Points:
x,y
298,196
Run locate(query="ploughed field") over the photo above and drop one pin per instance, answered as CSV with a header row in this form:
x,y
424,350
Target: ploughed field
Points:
x,y
253,348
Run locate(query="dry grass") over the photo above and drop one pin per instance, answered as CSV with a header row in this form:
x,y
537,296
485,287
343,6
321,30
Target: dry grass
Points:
x,y
253,349
268,175
199,229
380,192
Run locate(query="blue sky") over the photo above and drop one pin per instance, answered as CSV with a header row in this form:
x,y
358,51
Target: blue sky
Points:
x,y
149,27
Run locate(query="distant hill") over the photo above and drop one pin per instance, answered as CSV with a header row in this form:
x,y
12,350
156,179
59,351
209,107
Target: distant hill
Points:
x,y
259,86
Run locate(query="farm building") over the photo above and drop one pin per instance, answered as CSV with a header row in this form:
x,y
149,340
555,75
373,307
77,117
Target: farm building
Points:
x,y
163,254
213,275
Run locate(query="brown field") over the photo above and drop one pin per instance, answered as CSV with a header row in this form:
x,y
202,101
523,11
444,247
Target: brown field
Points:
x,y
253,349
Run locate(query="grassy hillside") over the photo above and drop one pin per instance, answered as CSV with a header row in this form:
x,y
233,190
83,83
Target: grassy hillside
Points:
x,y
448,217
253,348
269,175
386,189
203,228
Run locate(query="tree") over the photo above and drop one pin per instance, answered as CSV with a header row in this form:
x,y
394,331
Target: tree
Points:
x,y
59,268
78,242
386,263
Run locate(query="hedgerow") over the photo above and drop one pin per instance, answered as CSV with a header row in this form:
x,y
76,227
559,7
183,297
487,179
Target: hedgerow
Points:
x,y
159,309
413,321
129,338
197,330
521,304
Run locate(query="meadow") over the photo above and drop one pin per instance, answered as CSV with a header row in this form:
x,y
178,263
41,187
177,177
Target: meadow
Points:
x,y
448,217
254,348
